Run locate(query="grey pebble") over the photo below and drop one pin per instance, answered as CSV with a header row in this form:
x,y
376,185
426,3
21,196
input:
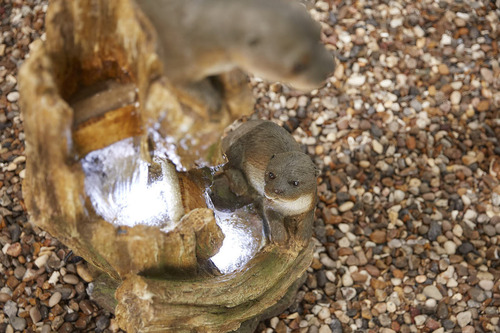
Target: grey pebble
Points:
x,y
448,324
465,248
336,326
10,308
477,294
18,323
71,317
442,310
19,272
102,323
434,231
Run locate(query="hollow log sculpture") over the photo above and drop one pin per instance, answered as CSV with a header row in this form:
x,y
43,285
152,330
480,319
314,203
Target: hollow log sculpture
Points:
x,y
98,81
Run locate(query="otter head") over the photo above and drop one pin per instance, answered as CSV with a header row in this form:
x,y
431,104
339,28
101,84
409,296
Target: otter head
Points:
x,y
289,177
285,47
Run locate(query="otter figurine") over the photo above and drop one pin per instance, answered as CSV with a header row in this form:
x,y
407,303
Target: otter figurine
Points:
x,y
264,160
274,39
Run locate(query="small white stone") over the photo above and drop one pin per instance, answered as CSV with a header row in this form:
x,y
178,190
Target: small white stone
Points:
x,y
346,206
377,147
13,96
324,313
470,215
347,280
464,318
344,227
344,242
330,276
399,195
356,80
274,322
445,39
40,261
432,291
456,85
391,307
452,283
54,278
385,83
12,166
486,284
450,247
420,320
397,22
54,299
458,230
430,303
455,97
325,329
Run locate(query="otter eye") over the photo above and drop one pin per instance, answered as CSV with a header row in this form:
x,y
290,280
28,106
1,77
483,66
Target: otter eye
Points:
x,y
273,156
300,67
272,175
254,41
295,183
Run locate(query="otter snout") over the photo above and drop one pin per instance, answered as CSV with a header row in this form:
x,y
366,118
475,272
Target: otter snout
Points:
x,y
279,191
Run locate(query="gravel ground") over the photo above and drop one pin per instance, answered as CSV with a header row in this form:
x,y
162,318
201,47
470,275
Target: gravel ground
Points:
x,y
406,134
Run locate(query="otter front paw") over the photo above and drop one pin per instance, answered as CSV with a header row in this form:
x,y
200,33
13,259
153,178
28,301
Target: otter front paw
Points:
x,y
237,182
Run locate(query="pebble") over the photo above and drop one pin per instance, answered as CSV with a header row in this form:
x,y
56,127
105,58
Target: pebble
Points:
x,y
464,318
18,323
84,273
450,247
10,308
420,320
324,313
455,97
377,147
55,299
486,285
347,280
40,261
324,329
14,250
346,206
356,80
433,292
13,96
71,279
35,315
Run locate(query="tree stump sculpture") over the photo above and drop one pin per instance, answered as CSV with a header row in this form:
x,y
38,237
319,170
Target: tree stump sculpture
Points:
x,y
98,81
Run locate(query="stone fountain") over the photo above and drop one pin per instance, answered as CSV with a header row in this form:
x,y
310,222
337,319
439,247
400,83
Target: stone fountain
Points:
x,y
119,164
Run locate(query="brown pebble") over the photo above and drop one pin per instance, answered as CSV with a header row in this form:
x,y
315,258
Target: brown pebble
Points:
x,y
443,69
4,297
35,315
484,105
81,322
55,298
71,279
377,284
411,142
86,307
84,273
66,328
372,270
378,236
12,282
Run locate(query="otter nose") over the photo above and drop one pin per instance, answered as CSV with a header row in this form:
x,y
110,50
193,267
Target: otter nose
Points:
x,y
278,191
